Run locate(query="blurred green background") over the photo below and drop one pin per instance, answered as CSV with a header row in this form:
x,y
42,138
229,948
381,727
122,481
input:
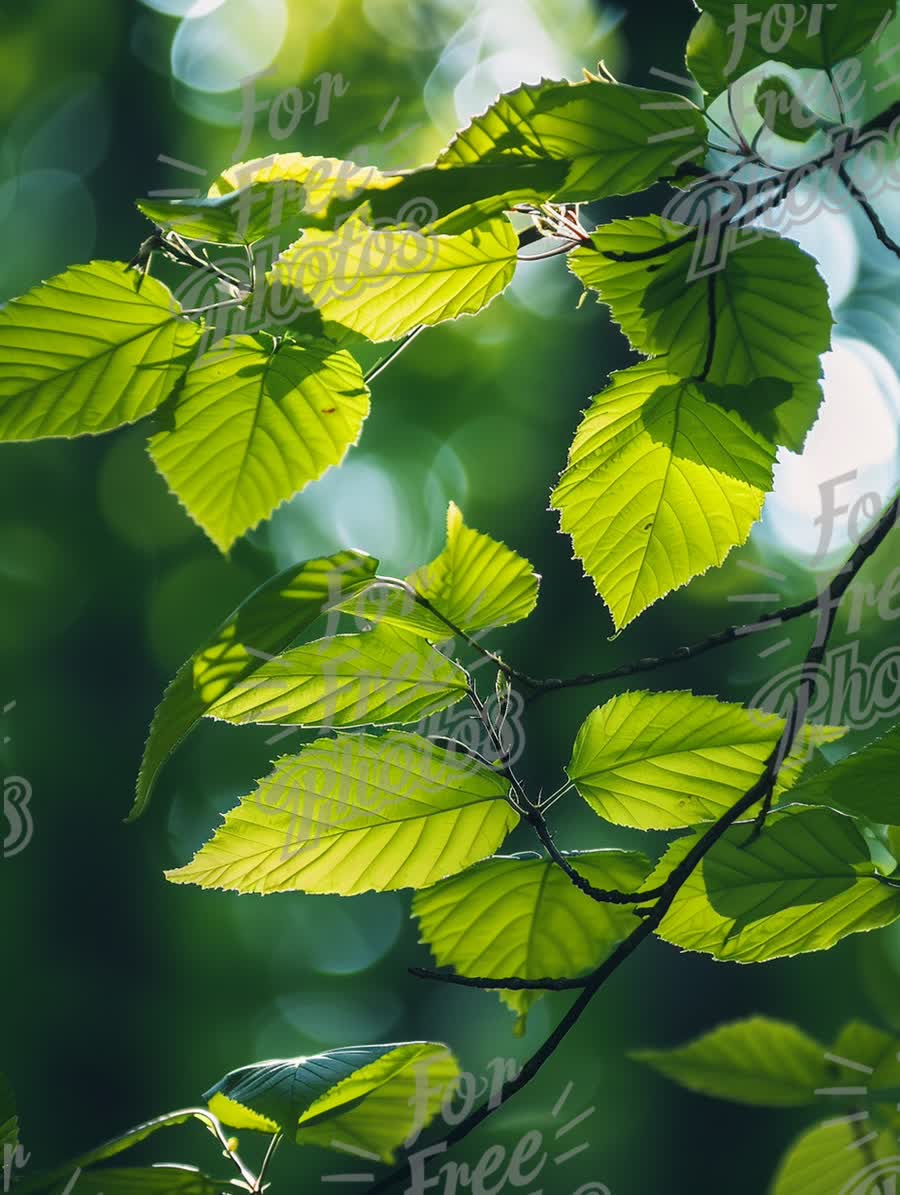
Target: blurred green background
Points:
x,y
123,996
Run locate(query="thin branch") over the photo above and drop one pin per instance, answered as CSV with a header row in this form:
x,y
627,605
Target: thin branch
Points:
x,y
512,984
388,359
829,602
270,1152
871,215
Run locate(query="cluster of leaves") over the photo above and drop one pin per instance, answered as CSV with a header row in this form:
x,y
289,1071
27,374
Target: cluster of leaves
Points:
x,y
667,474
854,1085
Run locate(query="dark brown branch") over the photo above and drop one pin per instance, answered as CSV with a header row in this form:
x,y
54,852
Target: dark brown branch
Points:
x,y
828,602
871,215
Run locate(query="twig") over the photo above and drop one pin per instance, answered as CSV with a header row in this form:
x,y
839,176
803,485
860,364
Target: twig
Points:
x,y
829,603
871,215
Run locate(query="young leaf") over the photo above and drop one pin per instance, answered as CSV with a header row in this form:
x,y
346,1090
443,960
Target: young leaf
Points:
x,y
90,350
760,1062
384,283
770,326
355,814
664,761
373,678
804,884
267,622
801,35
864,784
661,484
614,138
523,917
828,1158
367,1097
478,583
253,425
870,1048
254,200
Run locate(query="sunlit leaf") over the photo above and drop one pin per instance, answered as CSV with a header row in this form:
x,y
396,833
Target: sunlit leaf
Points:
x,y
709,56
90,350
664,761
264,624
616,139
759,1061
383,283
771,320
155,1180
661,484
522,917
376,677
368,1098
357,813
828,1159
804,884
253,424
783,112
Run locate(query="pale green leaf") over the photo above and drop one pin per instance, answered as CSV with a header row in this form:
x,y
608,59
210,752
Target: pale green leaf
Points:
x,y
375,677
664,761
369,1098
253,425
522,917
383,283
772,319
90,350
865,784
616,139
827,1160
804,884
477,583
260,198
867,1057
267,622
661,484
759,1061
815,35
357,813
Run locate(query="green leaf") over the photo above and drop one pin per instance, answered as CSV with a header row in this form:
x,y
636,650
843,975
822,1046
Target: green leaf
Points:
x,y
874,1055
158,1180
60,1177
260,198
384,283
783,112
661,484
252,426
801,35
759,1061
271,618
864,784
709,52
9,1121
368,1097
376,677
90,350
827,1159
615,139
523,917
664,761
477,583
803,885
772,319
355,814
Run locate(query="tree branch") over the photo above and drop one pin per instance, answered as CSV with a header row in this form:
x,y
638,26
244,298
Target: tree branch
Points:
x,y
829,602
871,215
